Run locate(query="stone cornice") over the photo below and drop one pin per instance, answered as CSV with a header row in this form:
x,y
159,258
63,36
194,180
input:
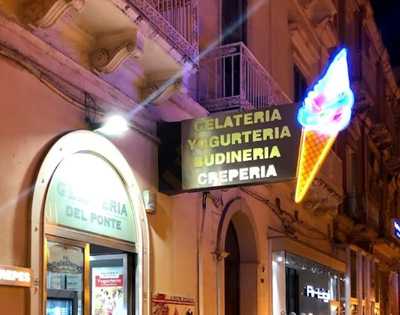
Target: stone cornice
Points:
x,y
44,13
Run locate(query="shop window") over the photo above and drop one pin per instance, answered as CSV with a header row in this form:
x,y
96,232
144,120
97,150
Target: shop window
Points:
x,y
353,274
377,284
364,272
91,236
292,291
64,279
372,280
100,276
302,286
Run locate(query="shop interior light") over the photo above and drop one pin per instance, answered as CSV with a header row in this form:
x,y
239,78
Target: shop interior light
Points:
x,y
114,125
279,259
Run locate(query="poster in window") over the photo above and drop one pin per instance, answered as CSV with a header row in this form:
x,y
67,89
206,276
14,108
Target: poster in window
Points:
x,y
108,291
164,304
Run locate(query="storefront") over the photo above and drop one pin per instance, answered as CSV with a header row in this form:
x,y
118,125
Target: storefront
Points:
x,y
303,285
89,231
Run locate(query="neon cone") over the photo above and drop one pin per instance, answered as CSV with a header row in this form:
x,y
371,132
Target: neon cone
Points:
x,y
313,151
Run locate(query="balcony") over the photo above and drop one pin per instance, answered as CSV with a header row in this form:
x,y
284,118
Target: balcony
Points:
x,y
176,20
133,47
232,78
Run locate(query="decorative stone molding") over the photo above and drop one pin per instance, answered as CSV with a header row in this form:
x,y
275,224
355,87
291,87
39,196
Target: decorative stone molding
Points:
x,y
322,199
44,13
107,60
306,51
320,10
160,92
381,136
327,32
363,233
343,227
220,255
364,101
305,3
393,165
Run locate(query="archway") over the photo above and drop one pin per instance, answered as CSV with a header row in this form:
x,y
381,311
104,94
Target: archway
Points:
x,y
237,239
47,223
232,272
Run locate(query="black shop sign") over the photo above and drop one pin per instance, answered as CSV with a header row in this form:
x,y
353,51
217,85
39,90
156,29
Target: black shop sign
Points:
x,y
230,149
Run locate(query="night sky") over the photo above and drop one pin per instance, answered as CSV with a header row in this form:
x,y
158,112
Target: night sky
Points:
x,y
387,16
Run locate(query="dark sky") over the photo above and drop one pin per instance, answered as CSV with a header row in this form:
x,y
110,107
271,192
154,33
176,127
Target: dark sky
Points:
x,y
387,16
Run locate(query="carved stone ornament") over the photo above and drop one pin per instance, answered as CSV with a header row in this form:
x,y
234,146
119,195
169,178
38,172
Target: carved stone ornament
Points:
x,y
44,13
107,60
381,135
159,92
322,199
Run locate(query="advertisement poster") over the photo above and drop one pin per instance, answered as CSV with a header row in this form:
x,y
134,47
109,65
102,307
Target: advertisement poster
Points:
x,y
164,304
108,291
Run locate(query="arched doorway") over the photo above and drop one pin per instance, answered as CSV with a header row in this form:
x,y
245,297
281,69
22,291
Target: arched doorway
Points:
x,y
232,273
238,239
89,235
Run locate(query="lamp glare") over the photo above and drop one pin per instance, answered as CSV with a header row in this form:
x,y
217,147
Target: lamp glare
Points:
x,y
114,125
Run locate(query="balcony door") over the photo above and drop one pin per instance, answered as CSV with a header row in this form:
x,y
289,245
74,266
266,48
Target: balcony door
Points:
x,y
233,14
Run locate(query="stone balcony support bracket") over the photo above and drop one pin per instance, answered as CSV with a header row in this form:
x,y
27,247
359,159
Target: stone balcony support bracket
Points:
x,y
108,57
45,13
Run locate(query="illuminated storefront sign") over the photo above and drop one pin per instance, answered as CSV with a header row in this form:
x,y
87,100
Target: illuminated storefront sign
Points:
x,y
240,148
15,276
396,228
261,146
86,193
324,113
317,293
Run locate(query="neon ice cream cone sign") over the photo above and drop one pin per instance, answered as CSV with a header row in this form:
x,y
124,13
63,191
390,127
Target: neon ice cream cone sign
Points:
x,y
326,111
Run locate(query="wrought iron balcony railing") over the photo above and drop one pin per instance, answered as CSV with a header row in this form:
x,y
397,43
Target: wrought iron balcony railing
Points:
x,y
175,20
231,78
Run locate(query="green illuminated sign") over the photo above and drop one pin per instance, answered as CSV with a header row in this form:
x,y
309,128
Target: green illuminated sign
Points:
x,y
86,193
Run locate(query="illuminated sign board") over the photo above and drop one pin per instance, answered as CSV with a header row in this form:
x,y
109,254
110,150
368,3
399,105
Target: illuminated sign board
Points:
x,y
240,148
326,111
317,293
396,228
15,276
86,193
262,146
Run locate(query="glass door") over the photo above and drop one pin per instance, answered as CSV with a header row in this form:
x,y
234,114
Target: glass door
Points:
x,y
65,278
85,279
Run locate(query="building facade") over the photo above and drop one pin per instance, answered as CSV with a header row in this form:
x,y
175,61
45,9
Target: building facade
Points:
x,y
87,214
